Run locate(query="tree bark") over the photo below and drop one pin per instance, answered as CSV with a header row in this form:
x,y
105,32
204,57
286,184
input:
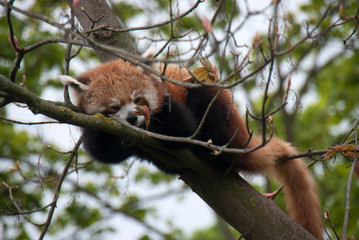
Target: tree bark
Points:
x,y
99,15
238,203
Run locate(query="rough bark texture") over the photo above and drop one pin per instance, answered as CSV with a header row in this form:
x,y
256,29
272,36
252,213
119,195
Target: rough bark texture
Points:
x,y
244,208
101,15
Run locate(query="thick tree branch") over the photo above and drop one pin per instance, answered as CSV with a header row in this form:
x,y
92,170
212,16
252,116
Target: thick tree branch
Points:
x,y
233,199
243,207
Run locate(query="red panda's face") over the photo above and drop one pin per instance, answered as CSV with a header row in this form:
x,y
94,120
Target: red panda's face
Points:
x,y
115,89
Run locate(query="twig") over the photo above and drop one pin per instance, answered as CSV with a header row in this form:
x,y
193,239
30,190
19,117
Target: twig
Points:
x,y
58,188
356,124
355,29
28,123
11,29
122,210
265,98
203,120
327,216
17,206
16,213
151,26
94,21
347,195
18,51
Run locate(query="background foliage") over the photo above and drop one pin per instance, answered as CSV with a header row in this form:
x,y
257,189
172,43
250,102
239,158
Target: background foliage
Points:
x,y
324,77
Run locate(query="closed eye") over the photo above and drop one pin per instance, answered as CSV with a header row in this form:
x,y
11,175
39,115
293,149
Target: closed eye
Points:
x,y
112,109
138,101
115,108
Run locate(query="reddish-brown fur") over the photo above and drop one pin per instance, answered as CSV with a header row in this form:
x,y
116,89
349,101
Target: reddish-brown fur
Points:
x,y
176,92
105,81
300,191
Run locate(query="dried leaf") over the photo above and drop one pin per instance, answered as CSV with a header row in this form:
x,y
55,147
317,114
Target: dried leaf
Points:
x,y
200,73
208,72
330,154
350,154
347,147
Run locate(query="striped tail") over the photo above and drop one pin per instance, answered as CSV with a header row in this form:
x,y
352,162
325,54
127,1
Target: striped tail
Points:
x,y
300,192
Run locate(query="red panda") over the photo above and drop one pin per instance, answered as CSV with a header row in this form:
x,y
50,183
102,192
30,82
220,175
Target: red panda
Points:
x,y
116,88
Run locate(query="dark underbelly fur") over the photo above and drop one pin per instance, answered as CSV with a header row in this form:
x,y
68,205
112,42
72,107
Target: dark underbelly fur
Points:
x,y
180,122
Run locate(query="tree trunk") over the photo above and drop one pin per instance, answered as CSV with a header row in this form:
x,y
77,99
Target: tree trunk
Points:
x,y
101,16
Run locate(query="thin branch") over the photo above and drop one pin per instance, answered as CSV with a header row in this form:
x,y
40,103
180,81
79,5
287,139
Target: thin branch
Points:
x,y
11,29
265,98
28,123
151,26
17,206
206,113
12,212
327,217
122,209
355,28
58,188
353,129
310,33
349,184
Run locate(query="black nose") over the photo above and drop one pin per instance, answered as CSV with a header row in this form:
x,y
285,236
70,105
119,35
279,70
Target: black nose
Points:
x,y
132,119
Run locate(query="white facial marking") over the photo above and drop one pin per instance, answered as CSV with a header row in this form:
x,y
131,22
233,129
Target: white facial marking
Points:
x,y
125,111
152,100
92,109
133,95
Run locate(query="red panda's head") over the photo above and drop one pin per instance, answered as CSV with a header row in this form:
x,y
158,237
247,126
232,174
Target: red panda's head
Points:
x,y
114,89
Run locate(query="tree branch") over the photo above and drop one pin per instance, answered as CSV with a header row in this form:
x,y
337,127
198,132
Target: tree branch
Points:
x,y
58,188
232,197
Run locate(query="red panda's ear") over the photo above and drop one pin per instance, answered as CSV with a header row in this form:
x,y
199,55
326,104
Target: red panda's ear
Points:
x,y
77,88
150,53
73,82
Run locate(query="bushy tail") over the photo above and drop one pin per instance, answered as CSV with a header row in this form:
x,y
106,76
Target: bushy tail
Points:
x,y
299,189
300,195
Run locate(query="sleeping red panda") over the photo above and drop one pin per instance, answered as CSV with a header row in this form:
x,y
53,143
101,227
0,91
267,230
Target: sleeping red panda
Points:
x,y
116,88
